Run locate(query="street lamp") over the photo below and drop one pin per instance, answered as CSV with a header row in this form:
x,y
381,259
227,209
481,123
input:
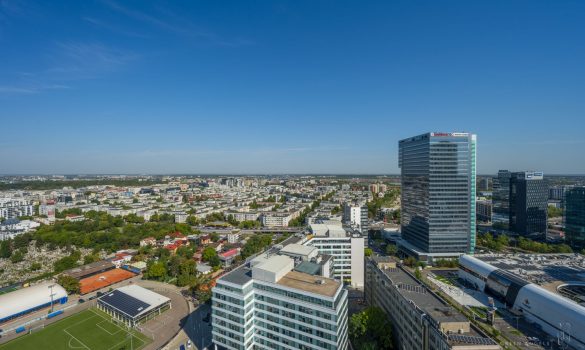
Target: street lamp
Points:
x,y
51,288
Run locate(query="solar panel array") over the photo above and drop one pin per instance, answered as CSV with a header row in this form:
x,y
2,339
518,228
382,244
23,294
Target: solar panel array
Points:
x,y
125,303
468,339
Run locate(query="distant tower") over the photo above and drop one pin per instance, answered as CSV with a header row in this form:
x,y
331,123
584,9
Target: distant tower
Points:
x,y
501,200
528,203
574,216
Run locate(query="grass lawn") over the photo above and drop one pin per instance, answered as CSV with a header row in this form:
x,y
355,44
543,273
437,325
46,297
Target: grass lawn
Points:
x,y
87,330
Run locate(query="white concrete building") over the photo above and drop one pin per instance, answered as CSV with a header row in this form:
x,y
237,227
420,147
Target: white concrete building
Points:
x,y
347,251
268,305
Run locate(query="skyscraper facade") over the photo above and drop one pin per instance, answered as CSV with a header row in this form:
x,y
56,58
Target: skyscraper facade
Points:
x,y
528,203
438,179
574,216
501,200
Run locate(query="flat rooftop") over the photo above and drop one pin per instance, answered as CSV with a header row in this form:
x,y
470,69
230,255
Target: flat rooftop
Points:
x,y
94,267
431,304
546,270
239,276
299,280
298,249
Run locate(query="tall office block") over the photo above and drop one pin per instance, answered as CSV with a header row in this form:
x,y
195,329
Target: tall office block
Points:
x,y
501,200
438,194
528,203
574,217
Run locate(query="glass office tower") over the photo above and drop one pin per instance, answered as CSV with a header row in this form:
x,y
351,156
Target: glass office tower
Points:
x,y
501,200
438,192
574,217
528,203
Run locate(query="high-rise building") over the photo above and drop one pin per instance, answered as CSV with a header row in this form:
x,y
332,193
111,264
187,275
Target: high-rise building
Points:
x,y
270,304
528,203
484,210
574,216
501,200
557,193
438,194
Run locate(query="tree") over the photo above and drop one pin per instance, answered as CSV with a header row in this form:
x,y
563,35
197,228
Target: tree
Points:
x,y
88,259
5,249
156,271
554,212
370,329
17,256
208,254
192,220
368,251
410,261
67,262
391,249
70,284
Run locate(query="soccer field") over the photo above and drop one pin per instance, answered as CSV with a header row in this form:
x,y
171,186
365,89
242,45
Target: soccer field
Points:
x,y
87,330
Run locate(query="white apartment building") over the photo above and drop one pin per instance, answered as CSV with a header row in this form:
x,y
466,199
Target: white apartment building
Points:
x,y
273,219
346,249
266,304
356,216
243,215
233,237
13,208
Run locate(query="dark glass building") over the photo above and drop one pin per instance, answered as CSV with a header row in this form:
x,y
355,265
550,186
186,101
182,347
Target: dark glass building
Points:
x,y
574,217
501,200
528,203
438,193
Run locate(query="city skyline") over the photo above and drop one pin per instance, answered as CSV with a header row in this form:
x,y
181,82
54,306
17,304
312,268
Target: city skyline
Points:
x,y
286,87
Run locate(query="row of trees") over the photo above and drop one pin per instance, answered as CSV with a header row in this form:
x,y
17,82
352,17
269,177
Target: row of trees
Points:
x,y
502,242
256,244
50,185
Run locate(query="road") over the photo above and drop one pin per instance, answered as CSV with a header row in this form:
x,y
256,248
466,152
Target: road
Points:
x,y
195,330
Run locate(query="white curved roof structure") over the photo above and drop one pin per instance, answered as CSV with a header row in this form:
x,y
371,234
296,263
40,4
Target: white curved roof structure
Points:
x,y
476,265
553,308
29,298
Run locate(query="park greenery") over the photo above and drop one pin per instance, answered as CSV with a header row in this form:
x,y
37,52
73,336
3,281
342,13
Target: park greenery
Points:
x,y
56,184
370,330
256,244
386,201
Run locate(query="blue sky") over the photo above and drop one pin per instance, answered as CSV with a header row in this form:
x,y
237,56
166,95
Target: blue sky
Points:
x,y
287,86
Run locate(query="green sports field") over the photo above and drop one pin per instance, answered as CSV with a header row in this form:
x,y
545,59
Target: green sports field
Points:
x,y
87,330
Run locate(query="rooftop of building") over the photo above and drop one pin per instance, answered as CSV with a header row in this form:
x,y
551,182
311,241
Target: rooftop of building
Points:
x,y
94,267
426,300
309,283
546,270
298,249
308,267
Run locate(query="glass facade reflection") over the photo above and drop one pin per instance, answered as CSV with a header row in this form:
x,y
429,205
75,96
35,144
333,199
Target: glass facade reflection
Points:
x,y
438,191
575,217
528,203
501,200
